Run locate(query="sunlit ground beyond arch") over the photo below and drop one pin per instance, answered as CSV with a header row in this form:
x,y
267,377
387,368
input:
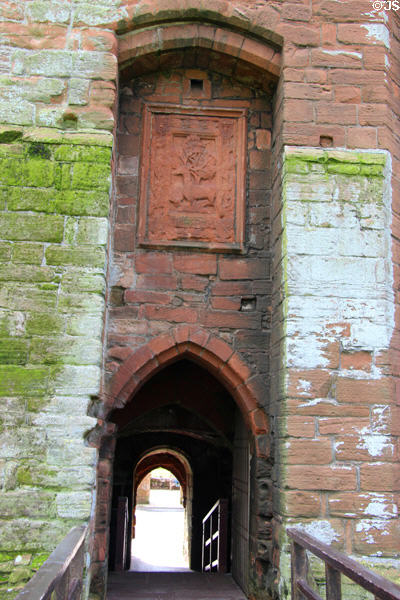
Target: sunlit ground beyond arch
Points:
x,y
159,542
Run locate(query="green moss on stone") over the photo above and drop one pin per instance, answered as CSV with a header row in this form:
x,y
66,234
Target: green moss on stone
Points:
x,y
13,351
39,559
33,199
82,153
20,575
89,176
27,253
6,137
5,251
24,476
80,257
37,228
22,272
44,323
343,168
18,380
83,203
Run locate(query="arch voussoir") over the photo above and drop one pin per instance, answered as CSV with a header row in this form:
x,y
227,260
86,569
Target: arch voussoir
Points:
x,y
202,347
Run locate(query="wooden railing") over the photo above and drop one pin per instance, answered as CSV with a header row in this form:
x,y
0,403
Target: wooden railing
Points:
x,y
61,574
336,564
215,538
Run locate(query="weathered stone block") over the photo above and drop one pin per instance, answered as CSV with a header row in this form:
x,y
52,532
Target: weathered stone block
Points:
x,y
92,231
38,228
74,505
90,176
29,253
81,280
87,203
80,257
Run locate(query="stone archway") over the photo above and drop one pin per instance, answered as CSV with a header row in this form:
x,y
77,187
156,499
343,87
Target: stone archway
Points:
x,y
205,349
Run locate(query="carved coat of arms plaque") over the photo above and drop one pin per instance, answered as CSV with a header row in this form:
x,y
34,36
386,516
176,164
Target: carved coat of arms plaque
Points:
x,y
192,187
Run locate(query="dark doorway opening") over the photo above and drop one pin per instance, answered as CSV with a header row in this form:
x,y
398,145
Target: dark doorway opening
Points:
x,y
185,420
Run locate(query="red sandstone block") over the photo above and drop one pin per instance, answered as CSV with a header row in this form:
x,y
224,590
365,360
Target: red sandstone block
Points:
x,y
321,477
349,33
312,452
375,58
307,91
354,504
191,282
328,34
363,391
231,320
119,352
349,94
356,360
380,477
315,75
259,160
295,57
342,425
365,448
335,113
295,12
373,114
161,344
312,383
258,422
298,427
301,504
385,419
144,296
124,238
103,93
176,315
242,268
263,139
225,303
371,536
41,36
220,348
349,77
156,282
331,10
239,367
197,264
153,262
346,59
298,110
375,93
98,40
300,35
326,408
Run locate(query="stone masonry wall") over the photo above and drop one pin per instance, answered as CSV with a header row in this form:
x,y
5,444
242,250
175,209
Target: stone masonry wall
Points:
x,y
335,466
53,229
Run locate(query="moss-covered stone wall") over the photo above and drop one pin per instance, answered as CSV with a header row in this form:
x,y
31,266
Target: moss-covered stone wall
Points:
x,y
54,201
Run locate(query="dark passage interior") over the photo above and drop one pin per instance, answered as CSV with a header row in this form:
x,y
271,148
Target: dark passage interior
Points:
x,y
183,413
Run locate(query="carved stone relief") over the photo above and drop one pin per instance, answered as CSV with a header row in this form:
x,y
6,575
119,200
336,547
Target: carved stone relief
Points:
x,y
192,189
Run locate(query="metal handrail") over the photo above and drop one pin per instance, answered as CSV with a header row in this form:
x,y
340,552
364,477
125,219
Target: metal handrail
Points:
x,y
61,572
336,564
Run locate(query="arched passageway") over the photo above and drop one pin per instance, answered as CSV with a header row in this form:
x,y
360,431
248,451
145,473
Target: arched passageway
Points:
x,y
202,437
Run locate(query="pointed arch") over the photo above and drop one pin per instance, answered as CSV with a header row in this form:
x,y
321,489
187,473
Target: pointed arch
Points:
x,y
200,346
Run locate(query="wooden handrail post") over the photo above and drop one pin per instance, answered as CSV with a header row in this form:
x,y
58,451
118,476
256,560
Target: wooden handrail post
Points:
x,y
333,583
299,569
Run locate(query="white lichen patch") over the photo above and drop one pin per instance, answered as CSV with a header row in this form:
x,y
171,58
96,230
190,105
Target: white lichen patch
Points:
x,y
375,445
377,33
322,530
380,507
